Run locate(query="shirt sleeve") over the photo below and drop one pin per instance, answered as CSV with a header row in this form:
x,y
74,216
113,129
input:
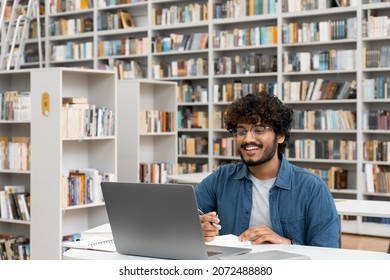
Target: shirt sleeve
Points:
x,y
205,194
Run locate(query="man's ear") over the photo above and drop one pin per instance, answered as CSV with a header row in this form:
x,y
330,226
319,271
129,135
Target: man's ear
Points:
x,y
281,139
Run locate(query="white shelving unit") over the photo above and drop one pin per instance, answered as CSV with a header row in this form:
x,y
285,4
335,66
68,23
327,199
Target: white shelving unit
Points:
x,y
15,81
373,41
53,155
134,147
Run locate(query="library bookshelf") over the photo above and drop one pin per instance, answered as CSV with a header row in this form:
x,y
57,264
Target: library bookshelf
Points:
x,y
54,155
286,66
147,137
12,173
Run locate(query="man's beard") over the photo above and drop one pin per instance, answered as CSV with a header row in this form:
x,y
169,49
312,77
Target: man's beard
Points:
x,y
268,154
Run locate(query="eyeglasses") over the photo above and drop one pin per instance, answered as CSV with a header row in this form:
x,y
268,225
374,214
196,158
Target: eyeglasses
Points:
x,y
242,132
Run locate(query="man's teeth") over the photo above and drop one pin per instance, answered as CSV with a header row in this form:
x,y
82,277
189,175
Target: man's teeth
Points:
x,y
248,148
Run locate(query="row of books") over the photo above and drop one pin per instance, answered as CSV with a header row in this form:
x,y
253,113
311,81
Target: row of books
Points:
x,y
218,119
7,10
71,26
156,172
379,220
154,121
31,53
81,119
110,3
191,167
192,145
72,51
236,9
376,119
125,68
15,105
15,203
376,150
319,61
322,31
123,46
225,146
184,117
373,58
186,92
376,26
189,117
120,19
33,30
375,1
245,64
376,88
322,149
321,89
82,186
335,177
377,178
59,6
15,153
231,91
324,120
299,5
182,13
191,67
180,42
130,69
245,37
14,247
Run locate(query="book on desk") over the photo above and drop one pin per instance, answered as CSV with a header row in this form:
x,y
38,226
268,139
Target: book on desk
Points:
x,y
94,242
98,238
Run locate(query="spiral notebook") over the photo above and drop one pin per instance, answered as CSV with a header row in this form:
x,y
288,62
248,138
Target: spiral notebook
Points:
x,y
98,243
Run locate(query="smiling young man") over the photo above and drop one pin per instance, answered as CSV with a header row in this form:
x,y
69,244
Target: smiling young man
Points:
x,y
264,198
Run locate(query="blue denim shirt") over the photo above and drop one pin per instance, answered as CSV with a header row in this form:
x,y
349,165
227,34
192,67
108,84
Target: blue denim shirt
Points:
x,y
301,205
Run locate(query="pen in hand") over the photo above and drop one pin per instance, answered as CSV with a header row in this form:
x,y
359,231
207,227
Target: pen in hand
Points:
x,y
200,212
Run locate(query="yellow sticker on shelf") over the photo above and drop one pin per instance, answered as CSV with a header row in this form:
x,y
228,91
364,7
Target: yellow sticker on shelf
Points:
x,y
45,104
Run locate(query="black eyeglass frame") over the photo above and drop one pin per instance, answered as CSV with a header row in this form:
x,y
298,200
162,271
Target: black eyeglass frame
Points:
x,y
262,129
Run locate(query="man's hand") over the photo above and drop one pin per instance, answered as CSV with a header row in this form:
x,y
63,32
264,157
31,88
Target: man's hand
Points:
x,y
263,234
209,230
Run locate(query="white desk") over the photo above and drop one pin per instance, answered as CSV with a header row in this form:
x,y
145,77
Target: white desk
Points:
x,y
315,253
344,207
367,208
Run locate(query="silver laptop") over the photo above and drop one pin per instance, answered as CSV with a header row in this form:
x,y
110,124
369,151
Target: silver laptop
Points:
x,y
159,221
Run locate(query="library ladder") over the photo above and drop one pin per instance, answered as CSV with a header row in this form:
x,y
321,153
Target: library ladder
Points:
x,y
18,29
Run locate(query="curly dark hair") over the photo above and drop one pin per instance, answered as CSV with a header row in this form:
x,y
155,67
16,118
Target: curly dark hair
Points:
x,y
263,108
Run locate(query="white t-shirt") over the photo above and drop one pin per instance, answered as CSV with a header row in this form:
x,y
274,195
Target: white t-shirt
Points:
x,y
260,202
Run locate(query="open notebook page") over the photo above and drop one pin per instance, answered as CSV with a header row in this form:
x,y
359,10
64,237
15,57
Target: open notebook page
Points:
x,y
229,240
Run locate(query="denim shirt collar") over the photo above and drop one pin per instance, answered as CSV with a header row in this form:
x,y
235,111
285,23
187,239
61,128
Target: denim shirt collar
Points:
x,y
282,180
